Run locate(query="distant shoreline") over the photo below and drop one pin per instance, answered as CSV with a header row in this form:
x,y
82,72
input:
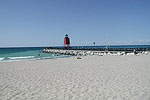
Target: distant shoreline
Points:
x,y
75,46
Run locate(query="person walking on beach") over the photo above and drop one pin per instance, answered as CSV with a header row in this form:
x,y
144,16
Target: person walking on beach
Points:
x,y
134,51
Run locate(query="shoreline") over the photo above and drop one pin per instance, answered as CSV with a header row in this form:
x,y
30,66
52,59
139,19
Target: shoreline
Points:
x,y
33,53
19,60
76,53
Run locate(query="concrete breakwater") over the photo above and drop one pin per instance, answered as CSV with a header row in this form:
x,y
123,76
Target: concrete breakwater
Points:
x,y
87,52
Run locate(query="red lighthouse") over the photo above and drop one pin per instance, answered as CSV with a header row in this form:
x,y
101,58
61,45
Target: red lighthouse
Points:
x,y
66,41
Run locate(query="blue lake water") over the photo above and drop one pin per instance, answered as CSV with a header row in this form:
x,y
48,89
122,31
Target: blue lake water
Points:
x,y
25,53
116,46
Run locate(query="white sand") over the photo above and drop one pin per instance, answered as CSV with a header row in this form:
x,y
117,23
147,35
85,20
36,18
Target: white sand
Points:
x,y
89,78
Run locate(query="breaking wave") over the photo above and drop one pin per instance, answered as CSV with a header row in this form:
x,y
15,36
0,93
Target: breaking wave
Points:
x,y
25,57
2,58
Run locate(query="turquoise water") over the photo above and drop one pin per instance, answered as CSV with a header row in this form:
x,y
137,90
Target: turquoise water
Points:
x,y
19,54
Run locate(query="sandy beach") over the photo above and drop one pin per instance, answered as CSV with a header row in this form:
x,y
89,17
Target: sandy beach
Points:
x,y
90,78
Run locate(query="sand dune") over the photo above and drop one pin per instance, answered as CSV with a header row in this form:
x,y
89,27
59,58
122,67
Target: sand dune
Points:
x,y
89,78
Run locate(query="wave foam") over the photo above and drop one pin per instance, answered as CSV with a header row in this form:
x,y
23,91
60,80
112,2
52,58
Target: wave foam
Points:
x,y
25,57
1,58
46,57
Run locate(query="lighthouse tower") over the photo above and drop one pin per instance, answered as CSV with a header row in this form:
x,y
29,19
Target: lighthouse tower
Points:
x,y
66,41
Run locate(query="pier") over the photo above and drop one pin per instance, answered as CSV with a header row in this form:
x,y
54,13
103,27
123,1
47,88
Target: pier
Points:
x,y
95,51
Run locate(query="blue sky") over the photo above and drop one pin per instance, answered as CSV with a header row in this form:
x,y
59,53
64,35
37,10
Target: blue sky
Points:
x,y
45,22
